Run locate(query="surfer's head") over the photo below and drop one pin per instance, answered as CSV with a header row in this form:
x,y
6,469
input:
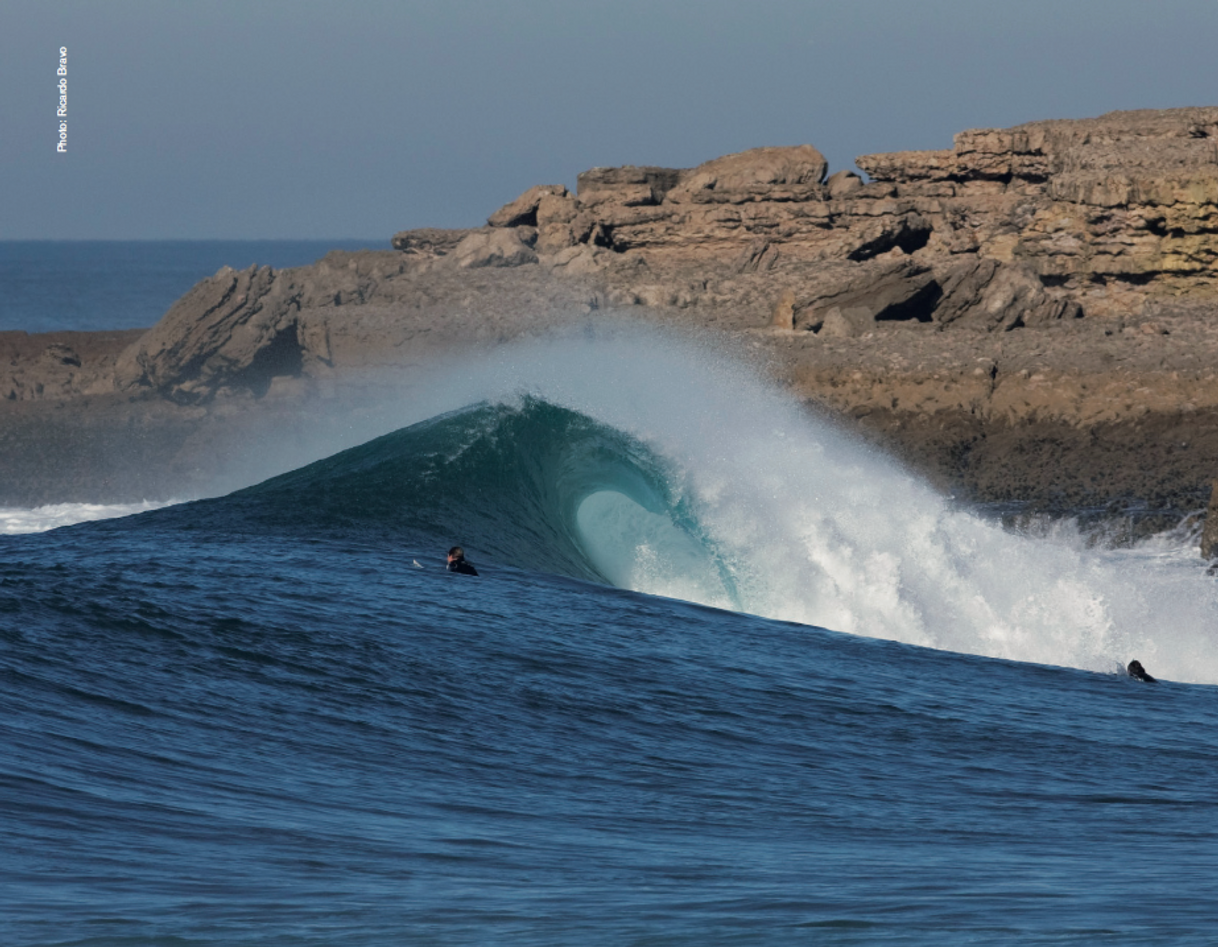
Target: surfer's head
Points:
x,y
456,553
1138,672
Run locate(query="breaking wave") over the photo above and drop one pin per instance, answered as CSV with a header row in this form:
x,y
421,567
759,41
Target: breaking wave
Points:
x,y
670,470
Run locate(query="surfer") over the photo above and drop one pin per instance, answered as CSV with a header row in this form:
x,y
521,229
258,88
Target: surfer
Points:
x,y
458,563
1138,673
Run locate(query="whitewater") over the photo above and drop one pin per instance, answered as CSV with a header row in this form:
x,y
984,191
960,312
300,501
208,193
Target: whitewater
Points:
x,y
728,675
768,510
813,526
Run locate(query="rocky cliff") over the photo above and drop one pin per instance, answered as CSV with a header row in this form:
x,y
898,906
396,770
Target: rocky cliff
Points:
x,y
1053,282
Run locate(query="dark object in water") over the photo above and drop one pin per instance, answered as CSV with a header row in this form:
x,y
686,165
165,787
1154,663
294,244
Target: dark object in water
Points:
x,y
458,563
1137,672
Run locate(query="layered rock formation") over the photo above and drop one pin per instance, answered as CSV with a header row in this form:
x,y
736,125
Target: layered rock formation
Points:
x,y
1043,291
1022,227
1103,213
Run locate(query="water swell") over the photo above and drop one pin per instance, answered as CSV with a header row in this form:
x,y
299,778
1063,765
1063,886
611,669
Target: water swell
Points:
x,y
524,483
663,468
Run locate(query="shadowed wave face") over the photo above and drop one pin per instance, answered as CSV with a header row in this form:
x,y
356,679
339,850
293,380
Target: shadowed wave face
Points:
x,y
528,484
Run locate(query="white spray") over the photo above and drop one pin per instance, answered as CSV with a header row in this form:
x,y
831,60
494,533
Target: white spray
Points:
x,y
14,520
815,527
809,525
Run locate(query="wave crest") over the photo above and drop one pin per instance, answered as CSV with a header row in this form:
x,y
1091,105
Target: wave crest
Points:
x,y
656,467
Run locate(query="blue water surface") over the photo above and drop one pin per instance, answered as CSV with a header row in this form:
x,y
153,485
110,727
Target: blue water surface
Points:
x,y
52,285
272,718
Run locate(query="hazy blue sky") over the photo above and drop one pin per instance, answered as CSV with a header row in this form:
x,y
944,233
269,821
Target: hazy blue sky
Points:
x,y
302,118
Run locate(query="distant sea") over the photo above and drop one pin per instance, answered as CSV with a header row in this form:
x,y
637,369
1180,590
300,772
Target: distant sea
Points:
x,y
52,285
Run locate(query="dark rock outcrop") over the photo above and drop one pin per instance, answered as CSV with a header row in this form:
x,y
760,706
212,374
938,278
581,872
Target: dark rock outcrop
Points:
x,y
882,291
430,241
245,329
496,248
650,184
522,212
212,335
998,296
755,173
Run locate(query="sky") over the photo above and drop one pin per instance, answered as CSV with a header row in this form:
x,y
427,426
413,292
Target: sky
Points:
x,y
253,119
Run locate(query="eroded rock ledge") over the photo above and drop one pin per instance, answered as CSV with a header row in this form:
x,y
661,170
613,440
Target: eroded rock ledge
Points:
x,y
1054,282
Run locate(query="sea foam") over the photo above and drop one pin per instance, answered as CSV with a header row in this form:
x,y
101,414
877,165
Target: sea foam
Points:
x,y
806,523
42,518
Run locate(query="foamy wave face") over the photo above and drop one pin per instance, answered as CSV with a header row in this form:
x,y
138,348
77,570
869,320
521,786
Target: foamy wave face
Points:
x,y
42,518
812,526
638,549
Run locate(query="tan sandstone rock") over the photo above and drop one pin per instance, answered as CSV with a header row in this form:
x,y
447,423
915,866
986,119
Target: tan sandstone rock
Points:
x,y
496,247
523,210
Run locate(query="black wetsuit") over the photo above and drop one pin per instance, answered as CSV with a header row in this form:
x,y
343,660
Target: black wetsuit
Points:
x,y
462,566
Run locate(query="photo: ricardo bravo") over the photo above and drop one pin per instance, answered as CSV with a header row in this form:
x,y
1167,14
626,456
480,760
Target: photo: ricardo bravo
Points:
x,y
62,111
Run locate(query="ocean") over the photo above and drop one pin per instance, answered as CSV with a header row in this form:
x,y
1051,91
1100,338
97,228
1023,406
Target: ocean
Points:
x,y
51,285
727,676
